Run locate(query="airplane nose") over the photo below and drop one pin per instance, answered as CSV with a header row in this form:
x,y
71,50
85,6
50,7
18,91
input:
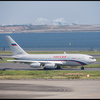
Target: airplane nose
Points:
x,y
94,60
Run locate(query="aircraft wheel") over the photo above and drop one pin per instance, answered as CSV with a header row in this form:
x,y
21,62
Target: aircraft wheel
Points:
x,y
45,68
82,68
58,67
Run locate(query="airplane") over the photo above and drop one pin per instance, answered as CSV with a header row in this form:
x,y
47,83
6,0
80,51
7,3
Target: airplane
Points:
x,y
48,61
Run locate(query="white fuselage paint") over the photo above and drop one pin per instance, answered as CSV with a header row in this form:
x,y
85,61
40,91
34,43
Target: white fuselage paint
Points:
x,y
66,59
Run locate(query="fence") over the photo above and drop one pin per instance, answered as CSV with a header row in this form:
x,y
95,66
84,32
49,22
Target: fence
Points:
x,y
55,49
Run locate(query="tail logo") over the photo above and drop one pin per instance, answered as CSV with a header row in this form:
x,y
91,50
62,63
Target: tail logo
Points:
x,y
14,44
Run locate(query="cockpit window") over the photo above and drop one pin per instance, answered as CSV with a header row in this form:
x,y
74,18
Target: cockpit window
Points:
x,y
91,57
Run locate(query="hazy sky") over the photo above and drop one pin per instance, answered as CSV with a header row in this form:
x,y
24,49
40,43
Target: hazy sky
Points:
x,y
25,12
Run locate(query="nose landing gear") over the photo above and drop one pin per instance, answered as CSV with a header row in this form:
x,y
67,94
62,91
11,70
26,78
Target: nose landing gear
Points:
x,y
82,68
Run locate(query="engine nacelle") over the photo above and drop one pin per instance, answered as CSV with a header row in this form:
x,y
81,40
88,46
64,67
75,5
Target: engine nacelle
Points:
x,y
36,65
50,66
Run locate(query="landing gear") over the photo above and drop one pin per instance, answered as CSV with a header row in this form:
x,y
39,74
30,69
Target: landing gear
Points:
x,y
45,68
82,68
58,67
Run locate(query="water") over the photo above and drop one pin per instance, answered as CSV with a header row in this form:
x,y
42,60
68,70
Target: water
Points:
x,y
88,41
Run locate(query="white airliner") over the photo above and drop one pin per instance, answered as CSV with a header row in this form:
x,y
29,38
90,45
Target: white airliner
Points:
x,y
48,61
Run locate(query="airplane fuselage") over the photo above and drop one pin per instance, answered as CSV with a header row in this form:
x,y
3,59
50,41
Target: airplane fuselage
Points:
x,y
66,59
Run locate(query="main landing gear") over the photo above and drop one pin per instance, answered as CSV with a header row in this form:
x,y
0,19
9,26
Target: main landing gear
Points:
x,y
58,67
82,68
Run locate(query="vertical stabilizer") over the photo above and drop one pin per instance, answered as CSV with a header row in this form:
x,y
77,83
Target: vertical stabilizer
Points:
x,y
15,48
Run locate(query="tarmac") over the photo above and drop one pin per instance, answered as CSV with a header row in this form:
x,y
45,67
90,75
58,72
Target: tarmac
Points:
x,y
18,66
50,89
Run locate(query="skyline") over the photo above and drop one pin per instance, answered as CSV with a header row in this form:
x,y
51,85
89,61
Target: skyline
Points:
x,y
27,12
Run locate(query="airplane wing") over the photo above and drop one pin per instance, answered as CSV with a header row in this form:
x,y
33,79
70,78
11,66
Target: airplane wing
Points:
x,y
30,61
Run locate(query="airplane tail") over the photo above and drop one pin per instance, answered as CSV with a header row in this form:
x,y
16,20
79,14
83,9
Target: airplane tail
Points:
x,y
15,48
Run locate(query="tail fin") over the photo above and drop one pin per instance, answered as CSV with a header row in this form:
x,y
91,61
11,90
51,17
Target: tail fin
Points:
x,y
15,48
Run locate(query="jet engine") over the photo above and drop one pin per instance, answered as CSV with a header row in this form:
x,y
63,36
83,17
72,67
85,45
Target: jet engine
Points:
x,y
36,65
50,66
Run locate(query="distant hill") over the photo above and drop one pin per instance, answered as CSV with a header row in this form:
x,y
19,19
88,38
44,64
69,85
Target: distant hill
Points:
x,y
48,28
